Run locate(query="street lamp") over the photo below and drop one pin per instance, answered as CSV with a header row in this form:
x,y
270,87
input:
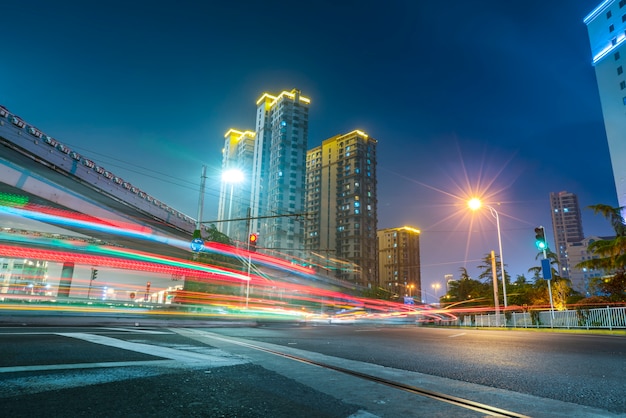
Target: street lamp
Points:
x,y
231,176
475,204
436,287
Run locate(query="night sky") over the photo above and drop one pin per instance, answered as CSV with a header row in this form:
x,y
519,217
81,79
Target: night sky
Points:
x,y
481,97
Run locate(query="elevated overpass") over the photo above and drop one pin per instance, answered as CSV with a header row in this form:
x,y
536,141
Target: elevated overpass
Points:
x,y
49,173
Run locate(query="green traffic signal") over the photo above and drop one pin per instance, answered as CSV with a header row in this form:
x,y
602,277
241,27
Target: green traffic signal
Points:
x,y
540,238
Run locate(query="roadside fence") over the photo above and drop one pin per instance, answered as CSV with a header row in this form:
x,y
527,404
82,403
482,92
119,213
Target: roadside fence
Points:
x,y
583,318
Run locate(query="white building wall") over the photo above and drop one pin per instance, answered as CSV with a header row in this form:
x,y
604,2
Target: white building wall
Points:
x,y
606,26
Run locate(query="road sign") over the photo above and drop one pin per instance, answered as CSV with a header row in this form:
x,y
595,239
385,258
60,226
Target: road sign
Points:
x,y
197,244
546,269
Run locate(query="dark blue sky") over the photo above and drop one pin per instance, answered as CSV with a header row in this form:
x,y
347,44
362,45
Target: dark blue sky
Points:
x,y
483,95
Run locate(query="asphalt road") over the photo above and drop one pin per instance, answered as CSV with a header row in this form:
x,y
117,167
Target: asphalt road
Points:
x,y
586,369
222,372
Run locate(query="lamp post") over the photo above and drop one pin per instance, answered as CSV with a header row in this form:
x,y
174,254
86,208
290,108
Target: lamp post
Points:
x,y
436,287
231,176
475,204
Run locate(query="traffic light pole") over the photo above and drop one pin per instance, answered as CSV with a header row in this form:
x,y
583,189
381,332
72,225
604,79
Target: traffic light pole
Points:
x,y
249,258
545,256
542,244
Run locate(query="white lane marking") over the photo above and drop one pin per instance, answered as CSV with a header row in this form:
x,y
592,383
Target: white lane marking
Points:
x,y
141,331
18,369
218,358
456,335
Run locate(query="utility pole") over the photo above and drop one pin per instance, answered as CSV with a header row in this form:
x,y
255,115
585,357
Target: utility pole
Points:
x,y
201,201
496,297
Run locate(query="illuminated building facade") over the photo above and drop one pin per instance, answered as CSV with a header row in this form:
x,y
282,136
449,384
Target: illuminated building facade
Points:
x,y
278,171
399,261
234,199
606,26
578,252
341,206
566,225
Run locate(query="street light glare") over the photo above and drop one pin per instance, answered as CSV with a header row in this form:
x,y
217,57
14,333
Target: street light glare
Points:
x,y
232,176
474,203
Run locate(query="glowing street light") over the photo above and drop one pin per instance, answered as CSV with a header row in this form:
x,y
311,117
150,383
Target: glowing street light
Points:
x,y
475,204
232,177
411,287
436,287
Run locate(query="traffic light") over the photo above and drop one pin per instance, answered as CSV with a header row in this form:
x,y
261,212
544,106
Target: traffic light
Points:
x,y
252,241
94,274
540,238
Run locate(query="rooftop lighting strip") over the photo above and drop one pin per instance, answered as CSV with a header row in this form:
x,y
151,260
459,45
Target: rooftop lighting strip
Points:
x,y
606,51
597,11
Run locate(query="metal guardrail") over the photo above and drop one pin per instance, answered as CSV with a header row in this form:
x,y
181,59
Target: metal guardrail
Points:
x,y
582,318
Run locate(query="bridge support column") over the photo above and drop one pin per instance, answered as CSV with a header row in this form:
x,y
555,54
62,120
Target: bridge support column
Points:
x,y
65,283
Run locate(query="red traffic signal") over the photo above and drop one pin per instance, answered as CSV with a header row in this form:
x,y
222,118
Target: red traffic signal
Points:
x,y
252,241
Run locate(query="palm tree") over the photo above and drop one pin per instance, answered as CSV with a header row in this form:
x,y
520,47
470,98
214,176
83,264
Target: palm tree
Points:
x,y
611,255
466,290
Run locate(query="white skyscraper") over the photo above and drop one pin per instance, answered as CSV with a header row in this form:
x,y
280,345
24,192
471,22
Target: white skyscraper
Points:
x,y
278,171
606,26
236,183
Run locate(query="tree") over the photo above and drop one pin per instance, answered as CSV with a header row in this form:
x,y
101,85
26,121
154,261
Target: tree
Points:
x,y
554,265
561,287
467,290
610,256
216,236
487,274
520,291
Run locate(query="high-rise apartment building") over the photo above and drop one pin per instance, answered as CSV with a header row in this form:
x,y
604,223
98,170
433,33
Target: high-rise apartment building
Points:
x,y
606,26
578,252
272,159
399,261
235,190
341,206
279,171
566,225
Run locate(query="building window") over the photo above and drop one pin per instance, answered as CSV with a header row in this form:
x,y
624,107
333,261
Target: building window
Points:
x,y
624,100
608,14
622,85
623,18
620,70
616,55
611,28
